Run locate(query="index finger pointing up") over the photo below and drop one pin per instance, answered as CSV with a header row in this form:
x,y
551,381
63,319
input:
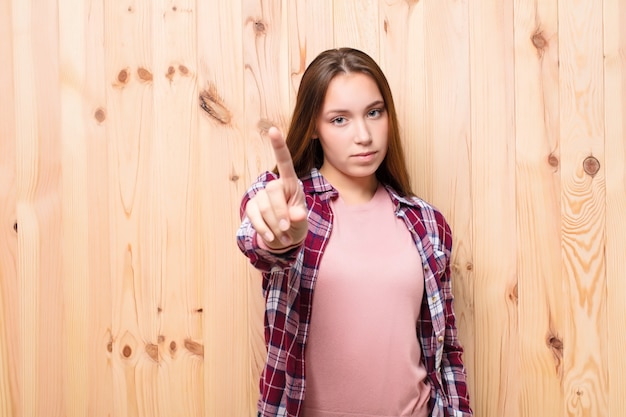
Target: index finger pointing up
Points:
x,y
284,162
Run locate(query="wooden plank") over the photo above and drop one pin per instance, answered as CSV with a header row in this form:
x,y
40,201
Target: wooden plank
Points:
x,y
128,31
542,312
583,204
615,161
494,210
10,346
35,53
173,298
356,25
231,367
99,345
448,129
28,267
403,30
72,50
311,31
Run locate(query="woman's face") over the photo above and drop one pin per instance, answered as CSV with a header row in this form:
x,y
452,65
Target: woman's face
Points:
x,y
353,130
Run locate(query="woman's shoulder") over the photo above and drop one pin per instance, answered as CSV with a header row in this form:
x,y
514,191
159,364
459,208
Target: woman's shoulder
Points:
x,y
412,201
424,212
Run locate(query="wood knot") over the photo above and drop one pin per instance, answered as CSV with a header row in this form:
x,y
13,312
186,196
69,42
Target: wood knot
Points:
x,y
100,115
234,178
144,74
161,338
259,28
170,73
153,351
591,166
110,346
15,227
553,161
386,25
469,266
200,310
130,9
539,41
183,69
173,347
123,76
194,347
214,106
555,343
514,294
127,351
174,8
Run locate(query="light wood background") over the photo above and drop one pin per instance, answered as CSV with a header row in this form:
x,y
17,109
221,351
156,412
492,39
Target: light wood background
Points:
x,y
129,131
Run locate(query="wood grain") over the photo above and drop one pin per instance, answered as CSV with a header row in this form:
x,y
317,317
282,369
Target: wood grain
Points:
x,y
310,33
175,302
28,267
10,340
448,134
99,345
135,292
614,23
356,25
74,211
232,326
129,132
403,30
38,156
583,204
542,313
493,195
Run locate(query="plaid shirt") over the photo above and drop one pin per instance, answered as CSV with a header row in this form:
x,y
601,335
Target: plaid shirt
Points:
x,y
289,281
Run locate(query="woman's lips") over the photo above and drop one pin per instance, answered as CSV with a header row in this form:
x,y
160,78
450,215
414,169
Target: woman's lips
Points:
x,y
365,156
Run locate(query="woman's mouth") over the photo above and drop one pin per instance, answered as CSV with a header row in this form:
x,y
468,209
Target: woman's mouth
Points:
x,y
365,156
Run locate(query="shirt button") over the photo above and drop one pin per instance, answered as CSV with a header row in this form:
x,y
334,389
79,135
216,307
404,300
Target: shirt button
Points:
x,y
433,298
440,339
425,267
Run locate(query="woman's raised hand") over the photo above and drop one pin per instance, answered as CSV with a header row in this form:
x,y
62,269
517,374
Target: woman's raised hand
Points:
x,y
278,213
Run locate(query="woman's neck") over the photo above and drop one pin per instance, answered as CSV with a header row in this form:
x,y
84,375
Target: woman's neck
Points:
x,y
354,190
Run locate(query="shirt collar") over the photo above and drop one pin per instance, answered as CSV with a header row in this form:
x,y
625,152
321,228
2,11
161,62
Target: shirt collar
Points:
x,y
398,199
315,183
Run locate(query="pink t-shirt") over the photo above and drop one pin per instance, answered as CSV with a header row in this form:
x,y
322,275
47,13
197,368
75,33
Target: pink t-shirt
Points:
x,y
362,354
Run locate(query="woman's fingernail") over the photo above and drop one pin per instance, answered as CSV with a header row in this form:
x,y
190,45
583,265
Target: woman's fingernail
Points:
x,y
268,236
285,240
283,225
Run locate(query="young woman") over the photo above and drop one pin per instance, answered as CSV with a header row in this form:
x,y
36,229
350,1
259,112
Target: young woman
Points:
x,y
356,269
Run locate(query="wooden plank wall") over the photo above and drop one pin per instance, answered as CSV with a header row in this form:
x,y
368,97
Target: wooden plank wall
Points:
x,y
130,129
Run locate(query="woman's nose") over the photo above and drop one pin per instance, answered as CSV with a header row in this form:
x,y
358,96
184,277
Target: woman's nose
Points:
x,y
362,134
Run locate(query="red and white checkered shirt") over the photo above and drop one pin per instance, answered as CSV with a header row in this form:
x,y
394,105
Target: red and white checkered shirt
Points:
x,y
289,282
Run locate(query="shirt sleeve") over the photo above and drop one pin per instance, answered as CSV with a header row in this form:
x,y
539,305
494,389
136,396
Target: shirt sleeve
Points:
x,y
453,371
261,258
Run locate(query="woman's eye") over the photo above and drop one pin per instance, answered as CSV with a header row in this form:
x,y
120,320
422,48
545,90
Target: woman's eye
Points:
x,y
338,121
374,113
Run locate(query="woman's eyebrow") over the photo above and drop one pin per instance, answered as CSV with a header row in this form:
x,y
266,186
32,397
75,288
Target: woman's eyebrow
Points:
x,y
375,103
